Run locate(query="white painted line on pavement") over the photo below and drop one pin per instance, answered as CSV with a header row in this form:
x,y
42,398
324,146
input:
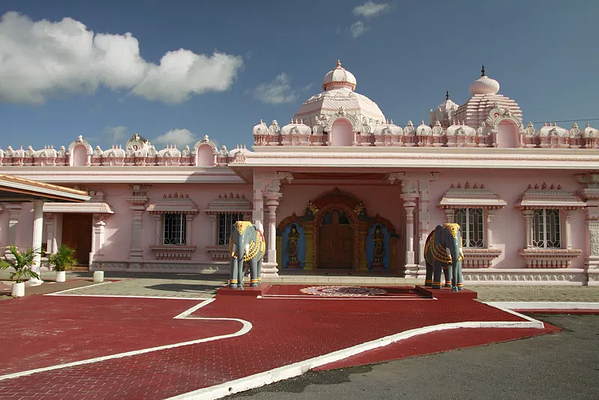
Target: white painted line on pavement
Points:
x,y
122,296
246,327
77,288
301,367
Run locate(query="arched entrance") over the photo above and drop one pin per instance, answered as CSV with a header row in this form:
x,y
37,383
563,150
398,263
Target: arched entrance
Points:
x,y
336,240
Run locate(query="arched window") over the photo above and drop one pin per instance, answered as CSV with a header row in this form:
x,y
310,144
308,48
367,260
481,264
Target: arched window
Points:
x,y
342,133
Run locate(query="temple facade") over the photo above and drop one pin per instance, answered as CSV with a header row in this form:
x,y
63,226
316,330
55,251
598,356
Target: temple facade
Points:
x,y
340,188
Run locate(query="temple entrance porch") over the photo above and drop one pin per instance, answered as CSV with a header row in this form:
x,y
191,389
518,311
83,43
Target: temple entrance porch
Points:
x,y
335,234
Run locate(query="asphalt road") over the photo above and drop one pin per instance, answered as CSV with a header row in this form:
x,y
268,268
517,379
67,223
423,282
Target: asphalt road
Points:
x,y
564,365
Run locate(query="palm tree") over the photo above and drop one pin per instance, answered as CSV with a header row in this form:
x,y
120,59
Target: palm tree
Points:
x,y
63,258
21,262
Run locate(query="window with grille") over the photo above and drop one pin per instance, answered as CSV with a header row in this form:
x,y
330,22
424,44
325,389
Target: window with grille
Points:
x,y
546,228
174,229
471,224
225,223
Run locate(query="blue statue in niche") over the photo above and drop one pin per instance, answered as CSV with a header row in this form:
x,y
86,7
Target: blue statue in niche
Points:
x,y
379,248
292,247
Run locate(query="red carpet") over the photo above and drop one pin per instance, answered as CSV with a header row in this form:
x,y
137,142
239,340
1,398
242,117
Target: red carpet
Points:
x,y
284,331
343,291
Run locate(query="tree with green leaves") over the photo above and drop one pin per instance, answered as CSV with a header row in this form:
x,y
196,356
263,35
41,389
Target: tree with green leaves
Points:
x,y
63,258
21,262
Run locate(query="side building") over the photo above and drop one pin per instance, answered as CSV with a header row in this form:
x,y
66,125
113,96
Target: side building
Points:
x,y
340,188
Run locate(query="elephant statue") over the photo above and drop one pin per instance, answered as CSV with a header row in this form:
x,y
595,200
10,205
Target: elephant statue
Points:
x,y
246,243
443,251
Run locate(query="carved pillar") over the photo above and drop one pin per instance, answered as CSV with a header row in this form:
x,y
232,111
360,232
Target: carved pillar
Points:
x,y
14,212
423,218
97,238
271,187
489,231
528,215
591,195
188,230
258,203
158,232
567,215
138,201
36,243
272,202
409,203
51,245
214,239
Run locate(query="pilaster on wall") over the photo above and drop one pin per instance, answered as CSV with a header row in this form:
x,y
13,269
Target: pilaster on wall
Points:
x,y
51,243
14,213
591,195
99,224
138,199
415,195
267,189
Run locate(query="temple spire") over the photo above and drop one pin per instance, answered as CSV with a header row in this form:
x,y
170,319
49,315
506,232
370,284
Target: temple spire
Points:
x,y
447,95
338,63
482,71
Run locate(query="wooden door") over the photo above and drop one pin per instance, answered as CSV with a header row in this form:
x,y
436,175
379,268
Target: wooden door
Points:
x,y
77,234
336,241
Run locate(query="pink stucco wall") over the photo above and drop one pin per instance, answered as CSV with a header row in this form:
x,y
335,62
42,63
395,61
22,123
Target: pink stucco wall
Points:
x,y
508,224
119,226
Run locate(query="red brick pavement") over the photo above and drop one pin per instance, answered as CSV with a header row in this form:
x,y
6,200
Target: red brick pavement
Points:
x,y
284,332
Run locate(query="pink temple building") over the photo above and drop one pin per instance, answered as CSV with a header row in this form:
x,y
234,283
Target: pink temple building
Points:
x,y
341,187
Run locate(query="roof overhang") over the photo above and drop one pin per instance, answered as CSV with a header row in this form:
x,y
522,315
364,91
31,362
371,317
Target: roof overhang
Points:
x,y
78,208
17,189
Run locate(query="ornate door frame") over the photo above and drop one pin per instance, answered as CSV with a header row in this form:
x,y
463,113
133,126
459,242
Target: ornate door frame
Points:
x,y
318,222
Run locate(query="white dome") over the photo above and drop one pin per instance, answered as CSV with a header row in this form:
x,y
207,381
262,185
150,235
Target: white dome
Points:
x,y
447,105
260,129
339,77
296,128
590,132
484,85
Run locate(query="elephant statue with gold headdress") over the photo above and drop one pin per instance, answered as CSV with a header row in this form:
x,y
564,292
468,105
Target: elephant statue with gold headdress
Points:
x,y
246,243
443,252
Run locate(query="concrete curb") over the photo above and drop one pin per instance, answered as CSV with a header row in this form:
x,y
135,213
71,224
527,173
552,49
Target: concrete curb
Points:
x,y
550,306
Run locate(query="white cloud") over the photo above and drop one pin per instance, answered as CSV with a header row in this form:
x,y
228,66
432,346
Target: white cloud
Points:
x,y
358,29
182,73
277,91
42,59
178,137
371,9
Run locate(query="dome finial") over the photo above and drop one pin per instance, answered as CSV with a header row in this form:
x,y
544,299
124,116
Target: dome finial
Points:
x,y
482,71
447,95
338,63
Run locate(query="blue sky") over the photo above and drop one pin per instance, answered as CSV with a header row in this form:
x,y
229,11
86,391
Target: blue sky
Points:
x,y
195,68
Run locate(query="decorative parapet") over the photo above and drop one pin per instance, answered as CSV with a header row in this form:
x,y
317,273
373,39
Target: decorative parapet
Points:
x,y
479,258
549,258
163,252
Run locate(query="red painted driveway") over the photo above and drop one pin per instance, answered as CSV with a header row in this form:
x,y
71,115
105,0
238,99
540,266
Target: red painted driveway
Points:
x,y
284,331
